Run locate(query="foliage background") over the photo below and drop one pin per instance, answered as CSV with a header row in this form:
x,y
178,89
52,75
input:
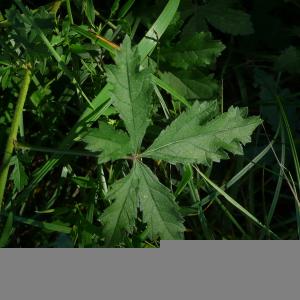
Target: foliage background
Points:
x,y
259,69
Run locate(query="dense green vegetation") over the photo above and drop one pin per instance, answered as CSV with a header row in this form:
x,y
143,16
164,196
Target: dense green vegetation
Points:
x,y
126,122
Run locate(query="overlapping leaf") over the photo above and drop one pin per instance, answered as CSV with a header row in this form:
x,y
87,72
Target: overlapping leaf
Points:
x,y
131,93
229,20
190,86
289,60
197,136
201,50
112,144
221,14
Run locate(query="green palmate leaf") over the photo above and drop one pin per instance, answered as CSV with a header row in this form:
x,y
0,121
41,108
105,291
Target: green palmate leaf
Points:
x,y
198,136
90,115
110,143
131,93
141,189
198,51
219,14
120,217
160,211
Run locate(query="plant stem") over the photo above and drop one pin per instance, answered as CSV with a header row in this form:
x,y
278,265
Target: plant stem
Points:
x,y
70,12
49,150
13,133
55,6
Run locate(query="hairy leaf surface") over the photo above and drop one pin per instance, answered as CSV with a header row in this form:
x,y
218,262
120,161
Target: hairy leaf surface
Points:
x,y
112,144
142,189
131,92
197,136
119,218
160,211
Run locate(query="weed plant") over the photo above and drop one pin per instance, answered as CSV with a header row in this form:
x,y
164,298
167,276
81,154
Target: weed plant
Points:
x,y
126,122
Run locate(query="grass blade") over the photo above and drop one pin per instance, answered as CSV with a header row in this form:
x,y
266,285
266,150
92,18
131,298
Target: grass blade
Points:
x,y
148,43
295,158
7,230
44,225
234,203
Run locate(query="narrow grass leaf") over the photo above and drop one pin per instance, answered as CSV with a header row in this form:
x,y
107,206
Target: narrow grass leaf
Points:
x,y
44,225
7,230
169,89
201,87
235,203
148,43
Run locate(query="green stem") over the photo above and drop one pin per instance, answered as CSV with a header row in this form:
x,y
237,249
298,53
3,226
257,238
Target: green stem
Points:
x,y
56,151
13,133
70,12
55,6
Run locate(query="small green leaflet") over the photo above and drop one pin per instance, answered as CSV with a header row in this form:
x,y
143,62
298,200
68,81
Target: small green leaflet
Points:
x,y
112,144
198,51
114,7
18,175
199,136
131,93
89,10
